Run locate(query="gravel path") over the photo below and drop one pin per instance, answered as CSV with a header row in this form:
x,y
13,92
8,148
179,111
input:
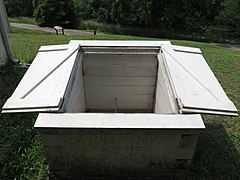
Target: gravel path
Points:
x,y
48,29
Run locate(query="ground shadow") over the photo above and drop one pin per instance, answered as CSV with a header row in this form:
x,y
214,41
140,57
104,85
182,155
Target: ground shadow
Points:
x,y
215,157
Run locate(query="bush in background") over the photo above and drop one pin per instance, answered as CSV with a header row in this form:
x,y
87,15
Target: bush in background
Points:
x,y
51,13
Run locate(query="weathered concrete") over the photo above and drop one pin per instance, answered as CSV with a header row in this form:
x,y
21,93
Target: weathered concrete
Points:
x,y
149,145
119,152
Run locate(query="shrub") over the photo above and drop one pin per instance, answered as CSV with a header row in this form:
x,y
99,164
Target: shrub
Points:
x,y
50,13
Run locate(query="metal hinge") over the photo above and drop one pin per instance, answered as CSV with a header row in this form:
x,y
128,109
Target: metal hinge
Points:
x,y
179,104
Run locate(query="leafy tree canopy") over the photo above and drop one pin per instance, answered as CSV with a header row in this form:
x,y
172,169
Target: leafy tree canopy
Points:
x,y
52,12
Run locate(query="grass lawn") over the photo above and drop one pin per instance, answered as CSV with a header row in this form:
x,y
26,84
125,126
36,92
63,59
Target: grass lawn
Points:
x,y
21,155
29,41
25,20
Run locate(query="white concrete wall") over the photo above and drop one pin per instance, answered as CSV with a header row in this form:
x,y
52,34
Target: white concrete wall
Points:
x,y
118,152
98,144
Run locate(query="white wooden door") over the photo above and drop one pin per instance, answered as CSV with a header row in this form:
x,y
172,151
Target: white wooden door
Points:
x,y
196,88
43,86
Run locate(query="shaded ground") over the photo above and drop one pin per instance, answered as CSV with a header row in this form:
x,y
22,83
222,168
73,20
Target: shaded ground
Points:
x,y
48,29
233,47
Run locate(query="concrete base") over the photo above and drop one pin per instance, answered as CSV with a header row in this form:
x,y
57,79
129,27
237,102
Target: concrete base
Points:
x,y
118,152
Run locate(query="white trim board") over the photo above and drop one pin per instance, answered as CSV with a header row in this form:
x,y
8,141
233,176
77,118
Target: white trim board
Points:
x,y
113,43
119,120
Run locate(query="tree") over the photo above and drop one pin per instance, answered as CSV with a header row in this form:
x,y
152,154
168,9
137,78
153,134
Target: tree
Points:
x,y
131,12
51,12
157,12
17,8
99,10
229,19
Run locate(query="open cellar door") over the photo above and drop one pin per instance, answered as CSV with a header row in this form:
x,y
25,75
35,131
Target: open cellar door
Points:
x,y
43,86
196,88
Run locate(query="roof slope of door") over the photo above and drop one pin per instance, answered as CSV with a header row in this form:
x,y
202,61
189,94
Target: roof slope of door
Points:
x,y
196,88
43,86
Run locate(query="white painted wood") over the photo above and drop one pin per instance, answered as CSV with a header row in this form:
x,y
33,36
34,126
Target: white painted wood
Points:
x,y
26,103
46,79
54,48
120,98
120,71
75,95
119,61
185,77
119,81
101,120
128,49
119,102
162,103
165,102
195,85
119,65
39,69
119,90
31,110
123,72
121,50
128,107
186,49
102,43
199,111
122,53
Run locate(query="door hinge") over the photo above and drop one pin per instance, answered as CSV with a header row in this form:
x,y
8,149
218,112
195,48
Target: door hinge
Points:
x,y
179,104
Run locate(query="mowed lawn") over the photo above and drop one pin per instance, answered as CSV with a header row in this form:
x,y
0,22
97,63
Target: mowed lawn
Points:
x,y
21,155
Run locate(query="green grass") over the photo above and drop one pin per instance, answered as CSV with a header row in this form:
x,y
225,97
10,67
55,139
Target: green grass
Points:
x,y
25,46
21,154
24,20
15,30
